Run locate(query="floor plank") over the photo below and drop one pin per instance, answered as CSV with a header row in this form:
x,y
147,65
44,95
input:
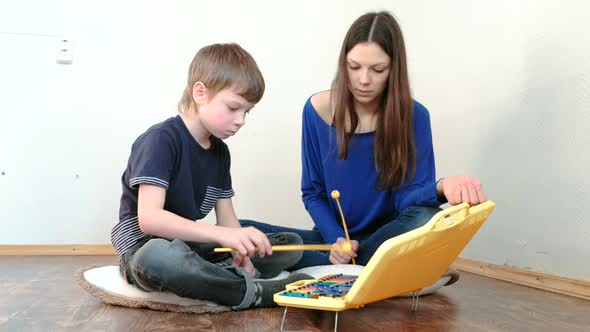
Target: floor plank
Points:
x,y
39,293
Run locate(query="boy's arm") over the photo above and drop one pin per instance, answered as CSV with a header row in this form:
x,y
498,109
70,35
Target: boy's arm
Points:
x,y
226,217
225,213
154,220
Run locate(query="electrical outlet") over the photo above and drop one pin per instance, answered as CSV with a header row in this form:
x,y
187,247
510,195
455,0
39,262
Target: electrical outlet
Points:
x,y
64,51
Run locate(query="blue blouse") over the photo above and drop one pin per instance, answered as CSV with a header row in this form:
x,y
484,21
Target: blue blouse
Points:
x,y
356,177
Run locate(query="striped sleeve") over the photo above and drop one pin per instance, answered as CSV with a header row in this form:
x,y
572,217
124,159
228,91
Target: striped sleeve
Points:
x,y
126,234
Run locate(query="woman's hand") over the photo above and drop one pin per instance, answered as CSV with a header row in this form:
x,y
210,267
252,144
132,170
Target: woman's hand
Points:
x,y
339,255
461,188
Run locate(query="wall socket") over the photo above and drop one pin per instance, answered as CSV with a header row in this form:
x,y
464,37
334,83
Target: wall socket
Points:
x,y
64,51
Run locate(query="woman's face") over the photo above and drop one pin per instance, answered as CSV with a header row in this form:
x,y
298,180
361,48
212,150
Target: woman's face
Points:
x,y
368,69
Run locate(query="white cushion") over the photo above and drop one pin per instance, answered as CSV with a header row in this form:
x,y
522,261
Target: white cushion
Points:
x,y
109,280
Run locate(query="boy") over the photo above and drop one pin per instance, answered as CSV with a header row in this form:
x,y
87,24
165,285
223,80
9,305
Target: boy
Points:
x,y
178,171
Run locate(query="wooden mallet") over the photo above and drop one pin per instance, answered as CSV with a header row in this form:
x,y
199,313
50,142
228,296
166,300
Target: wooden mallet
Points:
x,y
346,247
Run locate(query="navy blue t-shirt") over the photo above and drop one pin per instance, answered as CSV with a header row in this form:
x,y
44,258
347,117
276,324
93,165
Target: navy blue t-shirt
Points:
x,y
167,155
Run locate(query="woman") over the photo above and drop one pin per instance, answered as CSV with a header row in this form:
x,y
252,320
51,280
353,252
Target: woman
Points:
x,y
368,139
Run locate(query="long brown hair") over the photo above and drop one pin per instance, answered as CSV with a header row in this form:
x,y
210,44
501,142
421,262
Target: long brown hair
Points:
x,y
221,66
394,150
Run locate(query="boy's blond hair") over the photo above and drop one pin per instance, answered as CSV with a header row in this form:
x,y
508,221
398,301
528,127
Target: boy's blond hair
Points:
x,y
221,66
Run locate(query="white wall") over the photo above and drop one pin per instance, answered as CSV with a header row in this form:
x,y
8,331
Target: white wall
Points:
x,y
506,83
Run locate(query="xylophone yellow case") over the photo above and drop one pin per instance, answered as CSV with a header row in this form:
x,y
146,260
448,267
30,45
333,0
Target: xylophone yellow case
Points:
x,y
401,265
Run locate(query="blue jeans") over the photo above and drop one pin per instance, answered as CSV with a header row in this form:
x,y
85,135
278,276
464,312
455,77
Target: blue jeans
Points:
x,y
193,270
369,239
184,269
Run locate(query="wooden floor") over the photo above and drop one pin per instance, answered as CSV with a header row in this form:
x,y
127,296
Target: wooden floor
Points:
x,y
39,293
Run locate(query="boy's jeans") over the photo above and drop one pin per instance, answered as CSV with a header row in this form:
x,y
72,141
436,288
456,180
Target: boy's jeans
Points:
x,y
369,240
193,270
162,265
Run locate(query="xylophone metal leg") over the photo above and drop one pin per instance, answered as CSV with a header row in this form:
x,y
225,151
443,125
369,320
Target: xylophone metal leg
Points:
x,y
285,315
415,298
283,320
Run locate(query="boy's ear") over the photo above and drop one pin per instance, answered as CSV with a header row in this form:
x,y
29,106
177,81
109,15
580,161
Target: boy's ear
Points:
x,y
200,95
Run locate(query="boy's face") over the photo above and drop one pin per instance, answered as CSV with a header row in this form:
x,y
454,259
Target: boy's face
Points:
x,y
224,114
